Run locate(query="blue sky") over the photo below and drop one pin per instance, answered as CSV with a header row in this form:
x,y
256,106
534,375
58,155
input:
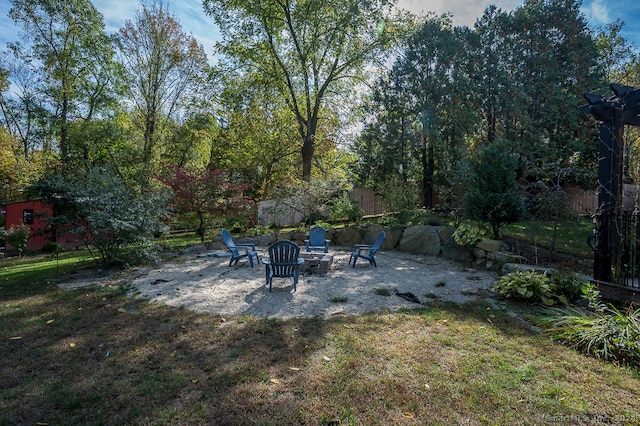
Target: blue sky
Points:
x,y
465,12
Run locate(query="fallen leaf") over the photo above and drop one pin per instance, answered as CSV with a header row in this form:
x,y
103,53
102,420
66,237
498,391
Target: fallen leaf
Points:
x,y
276,381
15,338
123,310
326,358
50,321
194,381
294,368
72,345
407,415
426,386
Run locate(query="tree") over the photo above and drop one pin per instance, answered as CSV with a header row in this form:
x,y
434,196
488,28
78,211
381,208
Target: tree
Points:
x,y
106,213
206,192
165,66
305,49
493,194
533,66
69,50
418,119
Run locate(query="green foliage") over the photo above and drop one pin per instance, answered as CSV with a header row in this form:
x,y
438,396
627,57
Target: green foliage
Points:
x,y
549,287
293,43
343,207
493,194
401,197
470,232
52,247
602,331
525,285
18,237
567,285
109,216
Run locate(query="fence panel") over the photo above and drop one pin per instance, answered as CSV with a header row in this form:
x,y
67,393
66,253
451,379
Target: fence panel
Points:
x,y
272,211
370,203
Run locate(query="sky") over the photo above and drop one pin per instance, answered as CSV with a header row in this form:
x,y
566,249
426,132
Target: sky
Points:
x,y
465,12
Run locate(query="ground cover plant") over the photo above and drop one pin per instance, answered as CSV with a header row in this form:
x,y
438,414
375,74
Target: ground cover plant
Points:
x,y
98,356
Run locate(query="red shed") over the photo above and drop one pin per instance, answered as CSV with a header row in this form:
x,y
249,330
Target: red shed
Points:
x,y
34,214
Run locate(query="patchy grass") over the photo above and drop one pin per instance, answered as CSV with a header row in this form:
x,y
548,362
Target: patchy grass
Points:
x,y
96,356
382,292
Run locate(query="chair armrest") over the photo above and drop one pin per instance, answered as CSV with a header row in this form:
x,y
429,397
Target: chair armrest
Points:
x,y
362,246
247,245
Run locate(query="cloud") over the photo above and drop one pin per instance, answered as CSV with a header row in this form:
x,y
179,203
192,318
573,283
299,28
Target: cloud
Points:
x,y
465,12
597,12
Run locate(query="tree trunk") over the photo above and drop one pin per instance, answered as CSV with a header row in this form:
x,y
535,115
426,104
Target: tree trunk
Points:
x,y
308,148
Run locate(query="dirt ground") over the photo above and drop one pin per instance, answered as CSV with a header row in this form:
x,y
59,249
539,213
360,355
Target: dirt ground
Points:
x,y
206,283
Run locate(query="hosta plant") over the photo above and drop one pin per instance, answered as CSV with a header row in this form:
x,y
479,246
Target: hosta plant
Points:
x,y
526,285
470,232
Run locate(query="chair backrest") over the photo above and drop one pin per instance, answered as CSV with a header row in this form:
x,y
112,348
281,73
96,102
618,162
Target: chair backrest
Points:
x,y
317,235
228,241
379,240
283,258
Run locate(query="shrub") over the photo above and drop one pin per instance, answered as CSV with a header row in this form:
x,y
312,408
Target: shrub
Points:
x,y
111,217
525,285
601,331
566,284
549,287
18,237
470,232
52,247
494,195
344,207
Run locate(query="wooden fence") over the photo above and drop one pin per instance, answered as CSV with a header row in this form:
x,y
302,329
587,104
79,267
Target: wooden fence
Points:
x,y
272,211
585,202
581,201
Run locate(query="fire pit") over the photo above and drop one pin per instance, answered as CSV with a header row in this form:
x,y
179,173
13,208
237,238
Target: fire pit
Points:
x,y
316,263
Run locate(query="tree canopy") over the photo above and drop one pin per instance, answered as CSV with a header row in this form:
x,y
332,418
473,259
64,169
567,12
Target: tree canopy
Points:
x,y
307,50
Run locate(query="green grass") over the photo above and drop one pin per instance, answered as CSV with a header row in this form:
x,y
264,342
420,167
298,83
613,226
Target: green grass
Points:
x,y
571,238
97,356
35,274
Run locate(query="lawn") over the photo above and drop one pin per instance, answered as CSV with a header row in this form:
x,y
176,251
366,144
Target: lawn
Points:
x,y
96,356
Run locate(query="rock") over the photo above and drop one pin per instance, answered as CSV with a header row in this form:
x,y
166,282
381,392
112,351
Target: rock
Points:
x,y
508,268
502,257
421,239
349,237
454,251
492,245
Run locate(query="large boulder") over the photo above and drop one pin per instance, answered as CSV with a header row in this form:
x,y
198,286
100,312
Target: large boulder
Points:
x,y
421,239
454,251
348,237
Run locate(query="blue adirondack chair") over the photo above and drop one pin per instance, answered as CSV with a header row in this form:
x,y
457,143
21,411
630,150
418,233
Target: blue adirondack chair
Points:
x,y
366,251
283,262
317,241
238,251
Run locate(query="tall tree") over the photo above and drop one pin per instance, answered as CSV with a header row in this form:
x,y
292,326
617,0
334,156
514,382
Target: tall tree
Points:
x,y
165,66
306,48
419,119
67,46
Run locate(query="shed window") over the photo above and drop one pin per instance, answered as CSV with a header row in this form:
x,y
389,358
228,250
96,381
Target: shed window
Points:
x,y
27,216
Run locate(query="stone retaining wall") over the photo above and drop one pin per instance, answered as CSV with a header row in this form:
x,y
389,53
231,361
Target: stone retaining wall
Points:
x,y
420,239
